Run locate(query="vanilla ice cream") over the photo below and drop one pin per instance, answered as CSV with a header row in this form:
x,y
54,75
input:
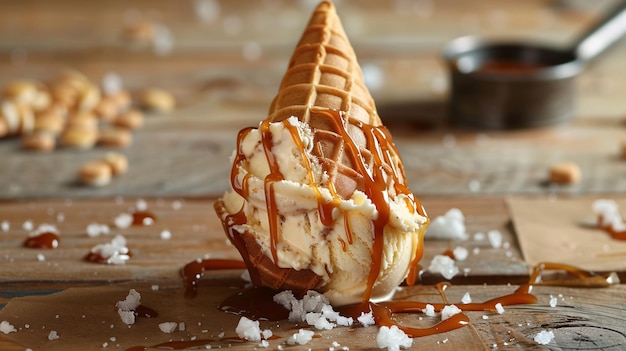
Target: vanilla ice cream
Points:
x,y
340,253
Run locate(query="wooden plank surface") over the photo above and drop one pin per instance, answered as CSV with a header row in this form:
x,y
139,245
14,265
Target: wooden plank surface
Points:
x,y
197,232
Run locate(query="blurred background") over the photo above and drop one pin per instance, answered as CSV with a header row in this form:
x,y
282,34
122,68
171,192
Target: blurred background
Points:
x,y
198,71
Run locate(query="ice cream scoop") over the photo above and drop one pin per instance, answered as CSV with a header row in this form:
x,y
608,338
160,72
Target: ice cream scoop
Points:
x,y
319,197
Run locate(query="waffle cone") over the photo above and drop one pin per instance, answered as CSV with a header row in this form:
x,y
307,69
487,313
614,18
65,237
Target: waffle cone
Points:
x,y
323,72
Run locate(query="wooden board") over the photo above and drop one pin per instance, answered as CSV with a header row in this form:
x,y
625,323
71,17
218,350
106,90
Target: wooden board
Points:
x,y
196,232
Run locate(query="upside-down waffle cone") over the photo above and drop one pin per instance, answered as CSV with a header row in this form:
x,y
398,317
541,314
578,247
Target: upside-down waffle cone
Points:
x,y
323,74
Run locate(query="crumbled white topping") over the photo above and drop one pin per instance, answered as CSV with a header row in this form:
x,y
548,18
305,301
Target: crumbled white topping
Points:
x,y
28,225
449,311
392,338
449,226
366,319
168,327
165,234
466,298
443,265
544,337
499,308
97,229
248,329
141,205
53,335
553,301
495,238
6,327
460,253
123,220
5,226
302,337
41,257
114,252
429,310
126,308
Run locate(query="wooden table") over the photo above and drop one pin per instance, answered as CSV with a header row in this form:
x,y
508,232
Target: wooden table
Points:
x,y
224,71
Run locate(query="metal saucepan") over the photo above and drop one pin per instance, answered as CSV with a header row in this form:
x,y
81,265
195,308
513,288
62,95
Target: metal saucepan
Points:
x,y
498,85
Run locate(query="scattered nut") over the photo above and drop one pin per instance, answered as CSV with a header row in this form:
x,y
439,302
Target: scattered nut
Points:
x,y
115,137
131,119
80,138
117,162
39,141
50,120
565,173
11,116
106,108
27,119
83,120
95,173
157,100
21,91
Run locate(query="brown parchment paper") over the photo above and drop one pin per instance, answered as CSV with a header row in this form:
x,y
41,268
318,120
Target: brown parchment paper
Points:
x,y
559,230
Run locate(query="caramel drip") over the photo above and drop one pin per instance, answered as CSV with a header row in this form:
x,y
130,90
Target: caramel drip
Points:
x,y
193,271
143,218
46,240
617,235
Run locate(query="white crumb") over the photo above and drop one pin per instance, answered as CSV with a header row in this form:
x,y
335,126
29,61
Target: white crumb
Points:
x,y
466,298
111,83
168,327
155,287
553,301
460,253
429,310
114,252
544,337
392,338
319,321
181,326
248,329
28,225
97,229
449,311
126,307
443,265
5,226
141,205
495,238
302,337
499,308
366,319
479,236
165,235
41,257
123,220
264,343
53,335
6,327
266,334
449,226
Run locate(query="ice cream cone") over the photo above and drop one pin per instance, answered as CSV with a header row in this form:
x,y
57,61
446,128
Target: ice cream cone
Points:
x,y
324,89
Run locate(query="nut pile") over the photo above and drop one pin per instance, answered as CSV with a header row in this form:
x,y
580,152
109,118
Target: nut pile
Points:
x,y
73,112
